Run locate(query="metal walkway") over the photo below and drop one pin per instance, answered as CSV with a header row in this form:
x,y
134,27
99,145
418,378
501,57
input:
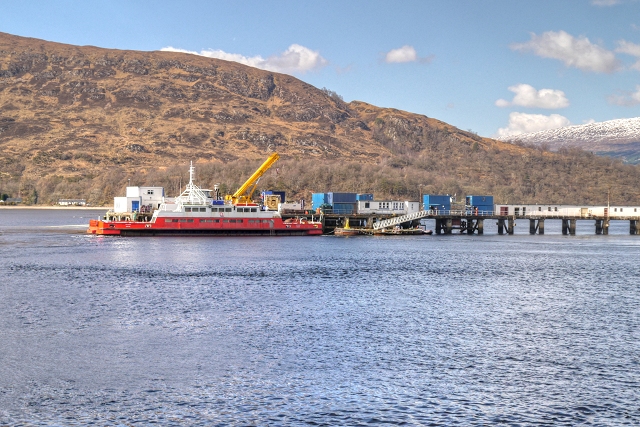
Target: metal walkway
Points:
x,y
401,219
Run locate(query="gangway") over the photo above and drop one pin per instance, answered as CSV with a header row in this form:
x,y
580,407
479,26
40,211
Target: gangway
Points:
x,y
401,219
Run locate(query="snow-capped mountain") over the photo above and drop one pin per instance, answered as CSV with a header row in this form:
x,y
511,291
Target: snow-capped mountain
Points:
x,y
616,138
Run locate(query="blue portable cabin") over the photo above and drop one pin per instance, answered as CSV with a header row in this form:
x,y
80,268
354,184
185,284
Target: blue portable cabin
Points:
x,y
365,197
344,208
440,202
333,198
318,199
344,203
481,204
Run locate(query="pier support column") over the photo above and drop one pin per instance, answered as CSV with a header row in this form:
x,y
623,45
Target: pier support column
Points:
x,y
472,226
532,226
605,227
510,225
449,226
438,226
480,226
572,227
565,227
501,226
633,227
598,226
541,226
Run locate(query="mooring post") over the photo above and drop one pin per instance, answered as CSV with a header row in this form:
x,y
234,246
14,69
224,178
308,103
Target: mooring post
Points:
x,y
541,226
532,226
480,226
510,225
572,227
598,226
565,227
633,227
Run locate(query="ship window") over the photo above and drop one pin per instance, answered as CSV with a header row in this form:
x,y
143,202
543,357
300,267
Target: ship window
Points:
x,y
227,209
556,209
187,209
539,208
186,220
168,220
149,191
620,209
226,220
366,205
203,209
254,209
635,209
615,209
240,220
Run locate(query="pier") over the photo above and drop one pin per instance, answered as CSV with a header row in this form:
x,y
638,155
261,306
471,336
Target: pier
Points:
x,y
448,222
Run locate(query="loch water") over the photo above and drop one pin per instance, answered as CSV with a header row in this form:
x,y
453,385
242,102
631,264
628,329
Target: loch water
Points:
x,y
409,330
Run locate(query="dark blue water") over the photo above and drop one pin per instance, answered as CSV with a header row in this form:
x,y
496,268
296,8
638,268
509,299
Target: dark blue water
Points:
x,y
413,330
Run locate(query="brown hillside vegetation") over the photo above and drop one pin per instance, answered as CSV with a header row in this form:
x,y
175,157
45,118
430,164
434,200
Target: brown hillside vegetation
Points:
x,y
80,122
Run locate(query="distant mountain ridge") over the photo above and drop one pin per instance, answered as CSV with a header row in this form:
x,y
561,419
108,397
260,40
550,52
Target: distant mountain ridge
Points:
x,y
618,138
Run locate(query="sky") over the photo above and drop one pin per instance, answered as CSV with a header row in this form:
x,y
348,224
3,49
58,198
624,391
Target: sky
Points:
x,y
494,67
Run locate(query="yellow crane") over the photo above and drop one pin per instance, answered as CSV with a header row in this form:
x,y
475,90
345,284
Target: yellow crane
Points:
x,y
239,196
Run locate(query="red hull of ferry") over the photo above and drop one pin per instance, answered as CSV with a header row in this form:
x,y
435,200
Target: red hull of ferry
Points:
x,y
212,226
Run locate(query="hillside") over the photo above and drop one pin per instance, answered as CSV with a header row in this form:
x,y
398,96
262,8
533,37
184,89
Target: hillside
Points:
x,y
615,138
82,122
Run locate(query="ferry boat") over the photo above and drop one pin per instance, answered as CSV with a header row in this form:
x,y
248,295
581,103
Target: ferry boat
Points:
x,y
195,211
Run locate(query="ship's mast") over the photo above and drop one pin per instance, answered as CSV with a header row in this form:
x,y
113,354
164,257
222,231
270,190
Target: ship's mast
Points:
x,y
192,195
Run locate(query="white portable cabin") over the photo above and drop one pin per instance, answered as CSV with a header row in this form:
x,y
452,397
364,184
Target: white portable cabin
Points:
x,y
559,211
137,197
387,207
289,207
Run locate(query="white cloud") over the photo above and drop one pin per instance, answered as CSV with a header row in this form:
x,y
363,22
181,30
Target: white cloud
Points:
x,y
630,49
527,96
526,123
605,2
626,99
296,59
404,54
574,52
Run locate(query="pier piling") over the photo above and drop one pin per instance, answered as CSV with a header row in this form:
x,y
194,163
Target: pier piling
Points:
x,y
598,226
536,227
